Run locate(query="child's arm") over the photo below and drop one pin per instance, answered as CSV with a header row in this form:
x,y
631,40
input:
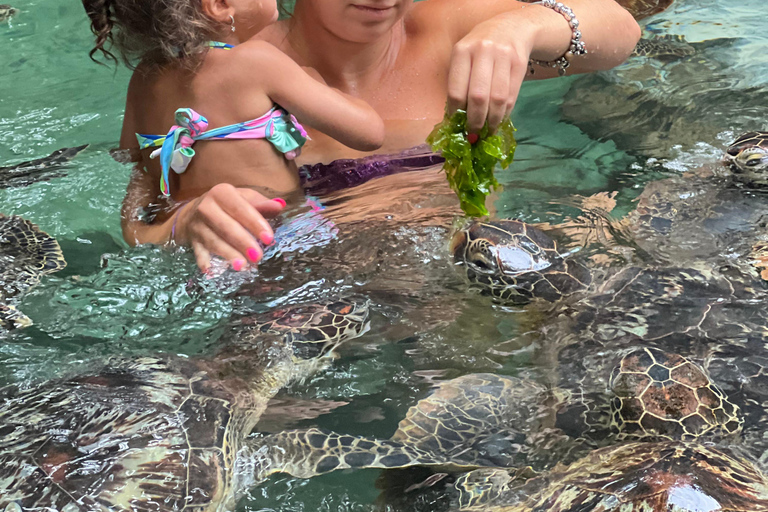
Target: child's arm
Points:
x,y
347,119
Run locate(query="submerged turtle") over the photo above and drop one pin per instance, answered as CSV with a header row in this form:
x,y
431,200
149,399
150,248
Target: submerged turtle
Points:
x,y
482,420
161,433
712,213
685,219
26,252
7,12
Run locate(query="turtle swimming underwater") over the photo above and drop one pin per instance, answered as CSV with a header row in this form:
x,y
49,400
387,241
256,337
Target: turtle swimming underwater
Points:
x,y
7,12
684,219
480,420
714,213
26,252
161,433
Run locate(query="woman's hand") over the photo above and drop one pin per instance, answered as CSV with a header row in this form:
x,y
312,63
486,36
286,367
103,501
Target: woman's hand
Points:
x,y
494,40
486,71
229,222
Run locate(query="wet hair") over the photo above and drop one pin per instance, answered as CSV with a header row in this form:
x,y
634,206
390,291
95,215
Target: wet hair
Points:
x,y
153,31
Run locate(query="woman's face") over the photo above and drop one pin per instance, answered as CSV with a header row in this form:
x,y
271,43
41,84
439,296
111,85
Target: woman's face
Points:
x,y
359,21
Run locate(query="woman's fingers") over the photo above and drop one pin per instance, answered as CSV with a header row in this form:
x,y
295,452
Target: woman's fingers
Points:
x,y
458,77
485,76
478,99
517,76
500,89
229,222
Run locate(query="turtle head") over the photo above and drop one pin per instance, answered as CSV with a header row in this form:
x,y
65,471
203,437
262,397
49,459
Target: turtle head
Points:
x,y
315,330
659,395
515,262
748,155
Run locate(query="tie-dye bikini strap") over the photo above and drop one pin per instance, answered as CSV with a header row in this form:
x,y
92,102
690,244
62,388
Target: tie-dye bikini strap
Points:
x,y
175,148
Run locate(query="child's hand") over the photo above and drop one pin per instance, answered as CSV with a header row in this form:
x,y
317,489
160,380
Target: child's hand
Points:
x,y
229,222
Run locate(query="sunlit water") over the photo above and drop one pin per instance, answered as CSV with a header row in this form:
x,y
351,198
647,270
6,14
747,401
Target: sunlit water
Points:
x,y
611,131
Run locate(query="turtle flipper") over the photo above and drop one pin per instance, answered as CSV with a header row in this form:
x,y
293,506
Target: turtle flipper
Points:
x,y
26,253
11,318
41,169
312,452
463,424
24,246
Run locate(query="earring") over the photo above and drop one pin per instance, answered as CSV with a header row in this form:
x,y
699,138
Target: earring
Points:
x,y
232,22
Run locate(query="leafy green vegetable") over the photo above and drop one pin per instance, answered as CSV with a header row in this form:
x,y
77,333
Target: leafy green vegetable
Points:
x,y
469,167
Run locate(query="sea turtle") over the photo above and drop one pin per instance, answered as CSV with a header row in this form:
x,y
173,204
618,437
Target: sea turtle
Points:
x,y
711,215
162,433
671,404
7,12
483,420
26,252
714,213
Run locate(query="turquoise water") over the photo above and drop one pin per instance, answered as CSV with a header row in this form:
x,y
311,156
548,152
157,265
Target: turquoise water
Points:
x,y
112,299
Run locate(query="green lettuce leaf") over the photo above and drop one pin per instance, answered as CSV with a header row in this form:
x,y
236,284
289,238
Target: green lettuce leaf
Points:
x,y
469,167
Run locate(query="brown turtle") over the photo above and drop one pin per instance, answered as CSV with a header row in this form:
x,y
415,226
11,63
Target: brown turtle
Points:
x,y
26,252
479,420
162,433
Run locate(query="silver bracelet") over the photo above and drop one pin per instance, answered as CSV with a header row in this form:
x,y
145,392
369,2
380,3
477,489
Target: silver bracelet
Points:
x,y
577,46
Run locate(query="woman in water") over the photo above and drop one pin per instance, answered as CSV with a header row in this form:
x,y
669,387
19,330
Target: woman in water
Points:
x,y
405,59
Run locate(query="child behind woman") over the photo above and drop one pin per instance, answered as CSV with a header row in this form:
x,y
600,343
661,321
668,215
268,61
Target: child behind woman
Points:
x,y
202,76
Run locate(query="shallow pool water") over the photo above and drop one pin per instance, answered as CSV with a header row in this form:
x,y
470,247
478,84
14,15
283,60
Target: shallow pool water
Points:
x,y
612,131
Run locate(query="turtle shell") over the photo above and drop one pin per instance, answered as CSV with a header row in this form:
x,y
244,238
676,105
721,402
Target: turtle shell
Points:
x,y
152,433
642,477
662,395
516,262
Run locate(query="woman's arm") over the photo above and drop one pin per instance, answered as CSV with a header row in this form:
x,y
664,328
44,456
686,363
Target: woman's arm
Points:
x,y
494,40
347,119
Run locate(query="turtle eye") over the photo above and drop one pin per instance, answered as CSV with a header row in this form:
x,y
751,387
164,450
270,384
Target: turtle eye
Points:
x,y
482,264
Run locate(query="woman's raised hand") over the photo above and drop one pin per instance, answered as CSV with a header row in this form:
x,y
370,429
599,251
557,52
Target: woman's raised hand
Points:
x,y
229,222
486,72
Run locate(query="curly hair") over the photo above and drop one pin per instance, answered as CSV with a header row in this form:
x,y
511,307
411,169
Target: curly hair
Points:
x,y
154,31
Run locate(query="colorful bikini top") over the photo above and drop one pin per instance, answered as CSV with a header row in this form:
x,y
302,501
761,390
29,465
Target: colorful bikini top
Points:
x,y
175,148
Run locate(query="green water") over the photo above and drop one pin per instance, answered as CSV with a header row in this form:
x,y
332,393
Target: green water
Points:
x,y
117,300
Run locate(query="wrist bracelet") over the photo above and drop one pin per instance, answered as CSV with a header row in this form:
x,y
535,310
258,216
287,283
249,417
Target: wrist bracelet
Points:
x,y
577,46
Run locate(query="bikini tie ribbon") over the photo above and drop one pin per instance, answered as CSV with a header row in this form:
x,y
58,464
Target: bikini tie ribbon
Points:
x,y
176,151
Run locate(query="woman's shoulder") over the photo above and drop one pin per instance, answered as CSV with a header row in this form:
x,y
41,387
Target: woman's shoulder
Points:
x,y
432,18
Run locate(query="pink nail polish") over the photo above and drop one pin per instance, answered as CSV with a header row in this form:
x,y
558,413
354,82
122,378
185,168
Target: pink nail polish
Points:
x,y
280,201
253,254
267,238
238,264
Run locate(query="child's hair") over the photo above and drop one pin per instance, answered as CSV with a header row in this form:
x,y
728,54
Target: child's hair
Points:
x,y
156,31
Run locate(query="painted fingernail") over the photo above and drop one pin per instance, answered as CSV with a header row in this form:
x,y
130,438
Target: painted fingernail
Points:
x,y
280,201
472,138
238,264
266,238
253,254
